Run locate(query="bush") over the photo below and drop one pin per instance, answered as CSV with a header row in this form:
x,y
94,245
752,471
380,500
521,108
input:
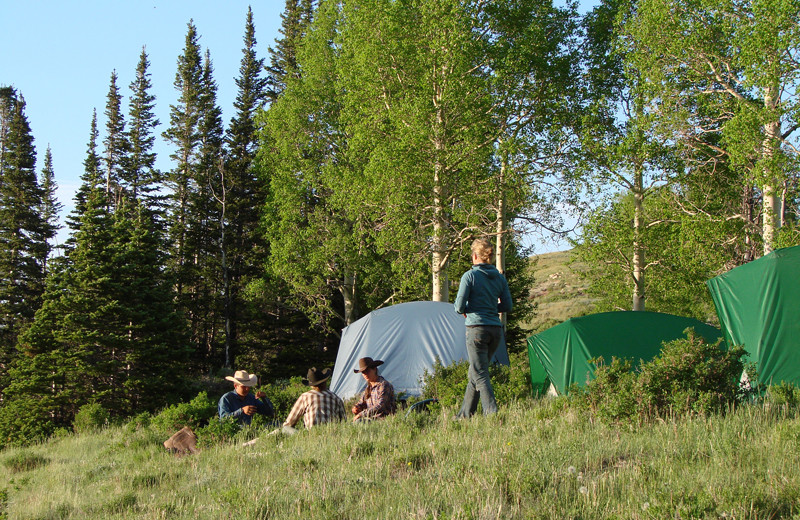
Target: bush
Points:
x,y
24,461
690,376
283,393
194,414
217,432
90,417
448,383
24,422
783,394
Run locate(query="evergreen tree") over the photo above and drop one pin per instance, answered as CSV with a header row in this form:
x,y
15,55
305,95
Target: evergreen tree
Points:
x,y
140,175
23,228
295,20
50,205
241,195
115,153
184,134
91,172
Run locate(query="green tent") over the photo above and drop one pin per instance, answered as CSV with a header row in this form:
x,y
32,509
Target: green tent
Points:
x,y
758,305
565,350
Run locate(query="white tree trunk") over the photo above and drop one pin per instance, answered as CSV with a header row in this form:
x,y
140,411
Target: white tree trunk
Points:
x,y
348,292
638,249
772,129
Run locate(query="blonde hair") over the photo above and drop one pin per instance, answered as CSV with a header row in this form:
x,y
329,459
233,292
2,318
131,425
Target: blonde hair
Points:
x,y
483,249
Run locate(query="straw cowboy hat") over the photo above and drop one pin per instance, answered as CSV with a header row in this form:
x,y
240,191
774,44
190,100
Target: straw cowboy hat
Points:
x,y
315,376
367,362
242,377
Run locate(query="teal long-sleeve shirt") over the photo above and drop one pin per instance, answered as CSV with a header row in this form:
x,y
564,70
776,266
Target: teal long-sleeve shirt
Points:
x,y
482,294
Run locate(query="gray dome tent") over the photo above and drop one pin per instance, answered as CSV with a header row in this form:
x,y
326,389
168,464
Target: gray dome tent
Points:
x,y
408,337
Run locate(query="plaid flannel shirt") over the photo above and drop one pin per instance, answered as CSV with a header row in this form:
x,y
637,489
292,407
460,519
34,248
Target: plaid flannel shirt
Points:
x,y
378,400
316,408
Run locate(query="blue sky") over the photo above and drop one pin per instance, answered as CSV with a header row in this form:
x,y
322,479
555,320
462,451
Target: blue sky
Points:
x,y
60,54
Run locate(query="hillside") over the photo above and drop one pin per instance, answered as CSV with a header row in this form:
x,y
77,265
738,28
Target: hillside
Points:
x,y
559,291
532,460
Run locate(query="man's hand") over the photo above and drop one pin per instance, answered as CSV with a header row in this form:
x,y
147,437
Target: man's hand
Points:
x,y
261,395
249,410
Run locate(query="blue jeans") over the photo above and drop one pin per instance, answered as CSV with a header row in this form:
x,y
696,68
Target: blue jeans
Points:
x,y
482,342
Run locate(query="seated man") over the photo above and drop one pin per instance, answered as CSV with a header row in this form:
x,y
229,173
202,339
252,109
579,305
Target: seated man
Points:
x,y
317,406
240,403
378,399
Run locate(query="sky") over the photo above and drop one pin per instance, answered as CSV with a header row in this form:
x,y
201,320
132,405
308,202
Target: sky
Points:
x,y
60,54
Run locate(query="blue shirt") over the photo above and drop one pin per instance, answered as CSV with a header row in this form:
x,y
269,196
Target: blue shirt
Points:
x,y
231,404
482,294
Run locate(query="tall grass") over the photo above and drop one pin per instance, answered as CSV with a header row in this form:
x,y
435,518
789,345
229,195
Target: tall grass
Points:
x,y
535,459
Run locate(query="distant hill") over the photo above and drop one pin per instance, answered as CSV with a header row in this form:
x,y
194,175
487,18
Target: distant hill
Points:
x,y
558,290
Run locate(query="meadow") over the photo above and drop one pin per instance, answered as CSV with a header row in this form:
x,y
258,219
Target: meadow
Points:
x,y
535,459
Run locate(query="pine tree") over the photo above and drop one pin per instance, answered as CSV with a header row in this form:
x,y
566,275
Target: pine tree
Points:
x,y
50,205
23,229
242,195
183,133
116,145
141,177
295,20
91,172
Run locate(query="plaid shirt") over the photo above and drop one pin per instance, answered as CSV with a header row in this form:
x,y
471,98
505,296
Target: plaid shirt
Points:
x,y
377,400
316,408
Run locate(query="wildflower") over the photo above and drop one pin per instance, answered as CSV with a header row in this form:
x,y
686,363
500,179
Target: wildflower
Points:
x,y
583,490
571,469
645,506
409,463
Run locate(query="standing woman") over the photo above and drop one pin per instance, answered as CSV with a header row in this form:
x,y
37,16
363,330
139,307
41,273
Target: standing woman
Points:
x,y
482,294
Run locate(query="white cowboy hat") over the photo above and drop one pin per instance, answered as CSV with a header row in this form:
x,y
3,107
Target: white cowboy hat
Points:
x,y
243,378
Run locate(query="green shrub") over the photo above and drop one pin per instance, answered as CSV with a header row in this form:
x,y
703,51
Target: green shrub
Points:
x,y
783,394
90,417
283,393
3,504
689,376
217,432
448,383
194,414
24,422
24,461
611,395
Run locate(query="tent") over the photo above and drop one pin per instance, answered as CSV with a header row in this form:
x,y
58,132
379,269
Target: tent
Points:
x,y
408,337
565,350
758,305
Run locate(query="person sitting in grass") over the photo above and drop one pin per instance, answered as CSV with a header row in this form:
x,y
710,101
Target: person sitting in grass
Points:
x,y
240,403
378,399
317,406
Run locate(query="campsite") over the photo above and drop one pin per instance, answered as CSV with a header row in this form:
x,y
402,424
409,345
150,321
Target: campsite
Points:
x,y
424,259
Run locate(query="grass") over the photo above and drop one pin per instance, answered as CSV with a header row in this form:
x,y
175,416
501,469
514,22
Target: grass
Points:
x,y
535,459
558,290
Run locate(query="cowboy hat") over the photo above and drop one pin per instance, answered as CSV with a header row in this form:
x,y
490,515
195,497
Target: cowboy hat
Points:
x,y
315,376
242,377
367,362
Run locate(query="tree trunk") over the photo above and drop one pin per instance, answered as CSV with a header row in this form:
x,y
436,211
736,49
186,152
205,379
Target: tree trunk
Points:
x,y
638,250
348,291
772,129
499,248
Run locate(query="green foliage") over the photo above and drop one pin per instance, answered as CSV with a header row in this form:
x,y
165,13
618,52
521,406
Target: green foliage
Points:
x,y
783,394
447,383
217,431
90,417
24,461
194,414
24,422
3,504
283,393
689,377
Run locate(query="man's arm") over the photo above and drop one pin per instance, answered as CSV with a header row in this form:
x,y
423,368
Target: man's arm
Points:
x,y
226,408
297,411
264,405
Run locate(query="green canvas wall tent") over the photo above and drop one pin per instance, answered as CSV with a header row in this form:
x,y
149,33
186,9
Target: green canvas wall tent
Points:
x,y
562,353
758,305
